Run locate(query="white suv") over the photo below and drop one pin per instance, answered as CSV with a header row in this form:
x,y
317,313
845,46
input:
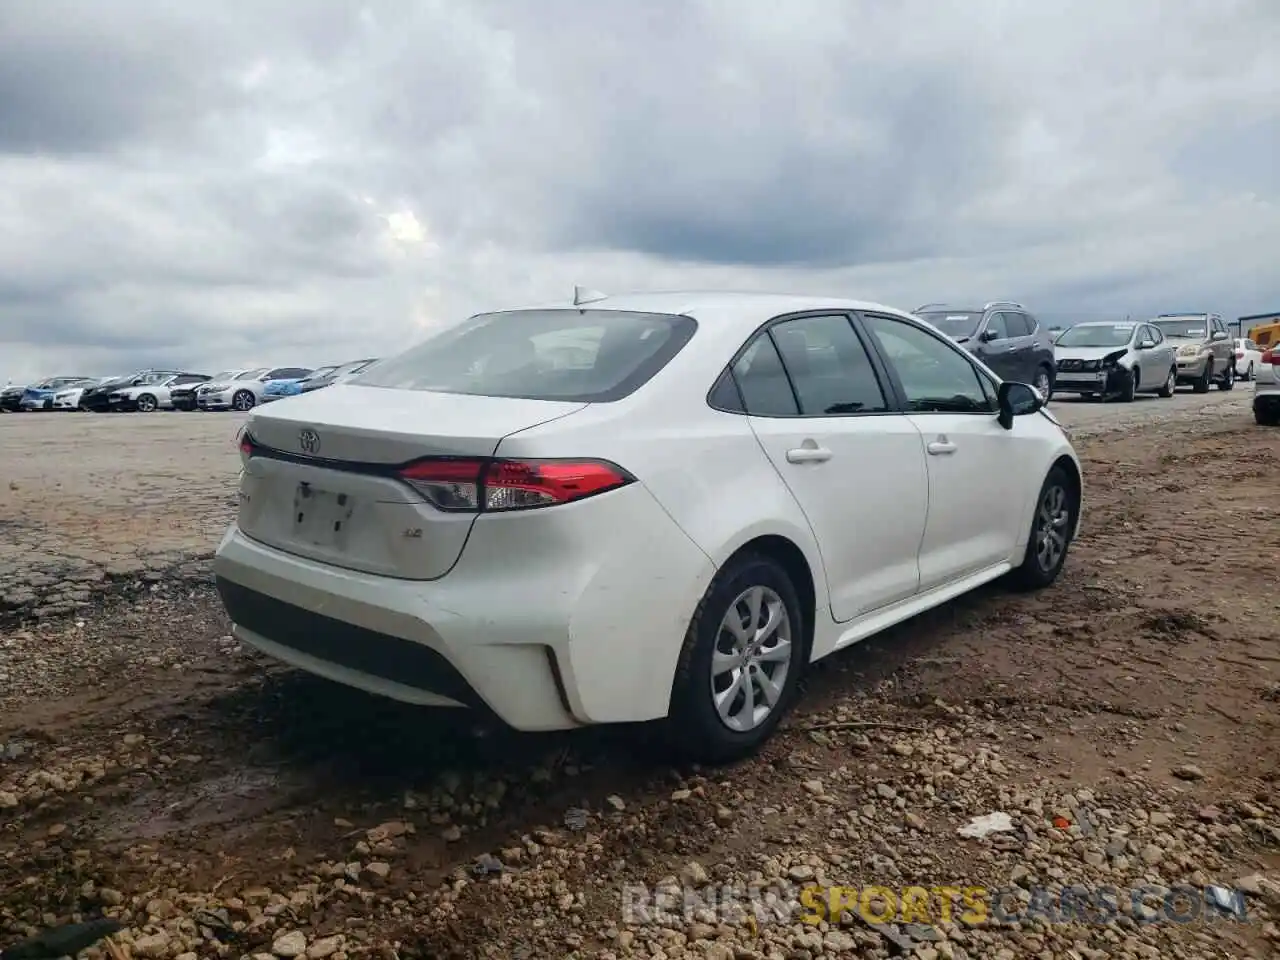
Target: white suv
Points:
x,y
1266,388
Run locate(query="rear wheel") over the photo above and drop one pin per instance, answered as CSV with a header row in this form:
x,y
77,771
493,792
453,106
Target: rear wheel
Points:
x,y
146,403
1248,373
1170,383
243,400
1266,416
740,664
1052,526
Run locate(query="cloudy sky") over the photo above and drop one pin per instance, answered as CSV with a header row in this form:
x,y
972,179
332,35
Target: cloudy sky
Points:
x,y
302,181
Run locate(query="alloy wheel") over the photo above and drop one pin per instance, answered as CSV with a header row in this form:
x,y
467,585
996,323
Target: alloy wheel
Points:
x,y
752,658
1052,518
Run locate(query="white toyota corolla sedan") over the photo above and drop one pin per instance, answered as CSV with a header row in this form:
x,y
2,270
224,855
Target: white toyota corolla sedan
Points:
x,y
641,507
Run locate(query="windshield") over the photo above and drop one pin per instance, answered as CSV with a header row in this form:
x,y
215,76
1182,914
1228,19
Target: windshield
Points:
x,y
1189,328
321,372
253,374
954,323
224,375
588,356
1096,335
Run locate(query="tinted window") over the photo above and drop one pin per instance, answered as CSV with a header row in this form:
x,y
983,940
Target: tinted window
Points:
x,y
934,375
287,373
724,395
1153,334
579,355
252,374
1188,328
829,368
999,324
954,323
762,381
1019,324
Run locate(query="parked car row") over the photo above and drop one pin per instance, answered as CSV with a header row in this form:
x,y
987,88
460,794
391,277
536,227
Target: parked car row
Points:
x,y
148,390
1103,359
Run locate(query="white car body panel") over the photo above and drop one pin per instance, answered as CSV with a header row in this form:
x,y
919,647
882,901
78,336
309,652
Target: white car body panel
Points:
x,y
609,584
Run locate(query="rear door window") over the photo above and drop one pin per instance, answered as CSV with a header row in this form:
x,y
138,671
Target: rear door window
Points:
x,y
1019,324
571,355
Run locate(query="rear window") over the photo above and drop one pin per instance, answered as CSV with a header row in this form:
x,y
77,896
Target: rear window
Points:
x,y
587,356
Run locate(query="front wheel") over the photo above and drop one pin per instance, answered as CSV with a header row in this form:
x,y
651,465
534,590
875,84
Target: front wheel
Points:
x,y
243,400
1205,379
1170,383
146,403
1130,388
740,663
1043,382
1228,380
1052,527
1248,373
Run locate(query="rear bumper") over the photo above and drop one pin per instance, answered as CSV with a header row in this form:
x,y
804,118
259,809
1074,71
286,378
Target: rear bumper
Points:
x,y
543,643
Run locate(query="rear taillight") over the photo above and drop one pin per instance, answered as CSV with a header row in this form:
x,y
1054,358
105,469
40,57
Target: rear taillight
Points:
x,y
1239,354
476,485
1271,358
244,440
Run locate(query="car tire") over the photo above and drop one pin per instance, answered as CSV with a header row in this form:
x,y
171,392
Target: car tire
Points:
x,y
243,400
1248,373
1266,416
1170,383
696,729
1130,389
1205,379
145,403
1053,522
1043,381
1228,380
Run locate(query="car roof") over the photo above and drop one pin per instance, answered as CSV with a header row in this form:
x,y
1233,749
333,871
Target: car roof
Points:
x,y
724,308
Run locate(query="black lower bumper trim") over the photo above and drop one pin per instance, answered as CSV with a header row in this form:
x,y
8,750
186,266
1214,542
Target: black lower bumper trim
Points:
x,y
377,654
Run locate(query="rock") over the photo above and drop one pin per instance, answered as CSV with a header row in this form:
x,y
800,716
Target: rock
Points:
x,y
289,945
616,802
813,787
800,873
1151,854
8,800
152,946
695,874
324,947
1188,771
452,834
378,869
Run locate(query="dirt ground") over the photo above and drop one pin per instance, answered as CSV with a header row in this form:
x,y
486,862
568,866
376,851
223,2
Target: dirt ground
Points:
x,y
1125,719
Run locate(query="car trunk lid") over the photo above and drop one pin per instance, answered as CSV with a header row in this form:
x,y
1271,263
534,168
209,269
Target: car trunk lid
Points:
x,y
323,484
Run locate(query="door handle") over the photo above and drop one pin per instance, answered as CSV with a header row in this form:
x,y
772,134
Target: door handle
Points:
x,y
941,446
808,455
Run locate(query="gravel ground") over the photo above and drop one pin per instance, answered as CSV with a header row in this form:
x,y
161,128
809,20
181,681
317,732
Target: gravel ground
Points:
x,y
1124,721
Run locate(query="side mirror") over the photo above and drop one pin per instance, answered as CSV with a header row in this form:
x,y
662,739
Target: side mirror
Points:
x,y
1218,335
1146,344
989,335
1016,400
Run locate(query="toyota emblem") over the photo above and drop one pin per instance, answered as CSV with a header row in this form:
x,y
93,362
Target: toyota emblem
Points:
x,y
309,441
